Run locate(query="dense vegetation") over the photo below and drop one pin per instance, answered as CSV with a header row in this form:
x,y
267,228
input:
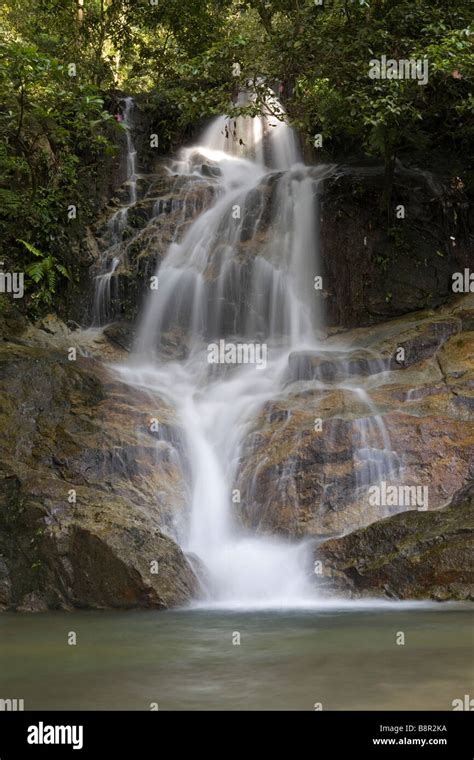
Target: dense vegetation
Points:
x,y
60,60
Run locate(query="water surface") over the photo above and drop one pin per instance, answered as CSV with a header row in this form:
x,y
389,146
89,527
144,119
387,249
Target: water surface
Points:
x,y
346,658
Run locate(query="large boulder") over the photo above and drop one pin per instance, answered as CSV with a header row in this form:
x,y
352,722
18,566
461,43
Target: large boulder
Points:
x,y
311,455
413,555
92,497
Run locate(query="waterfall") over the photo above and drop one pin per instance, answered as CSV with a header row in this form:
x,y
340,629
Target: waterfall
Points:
x,y
240,279
116,224
131,152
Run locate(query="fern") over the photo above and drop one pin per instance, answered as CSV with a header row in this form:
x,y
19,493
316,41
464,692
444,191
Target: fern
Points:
x,y
45,271
63,270
51,275
31,248
36,271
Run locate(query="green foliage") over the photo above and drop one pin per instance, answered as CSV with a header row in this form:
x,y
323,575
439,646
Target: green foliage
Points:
x,y
323,54
44,272
55,131
49,122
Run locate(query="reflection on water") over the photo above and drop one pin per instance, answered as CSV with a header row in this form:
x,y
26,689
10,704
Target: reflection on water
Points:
x,y
345,658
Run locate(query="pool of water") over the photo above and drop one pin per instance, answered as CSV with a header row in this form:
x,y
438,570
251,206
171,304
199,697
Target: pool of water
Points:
x,y
344,657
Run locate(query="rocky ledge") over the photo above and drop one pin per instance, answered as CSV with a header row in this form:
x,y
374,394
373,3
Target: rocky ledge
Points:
x,y
412,555
89,504
391,402
93,498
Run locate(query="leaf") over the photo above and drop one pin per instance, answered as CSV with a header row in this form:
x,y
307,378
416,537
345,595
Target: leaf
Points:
x,y
51,280
31,248
62,270
36,271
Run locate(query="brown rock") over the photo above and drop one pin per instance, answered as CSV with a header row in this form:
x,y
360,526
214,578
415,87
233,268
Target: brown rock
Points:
x,y
413,555
90,499
297,480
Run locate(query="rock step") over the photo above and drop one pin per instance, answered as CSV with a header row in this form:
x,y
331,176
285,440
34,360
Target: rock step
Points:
x,y
418,344
412,555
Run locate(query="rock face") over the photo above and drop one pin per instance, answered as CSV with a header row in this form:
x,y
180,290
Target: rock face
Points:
x,y
90,502
311,456
93,502
414,555
138,238
373,268
376,268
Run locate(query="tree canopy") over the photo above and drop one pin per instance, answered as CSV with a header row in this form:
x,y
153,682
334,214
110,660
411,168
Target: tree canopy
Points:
x,y
59,59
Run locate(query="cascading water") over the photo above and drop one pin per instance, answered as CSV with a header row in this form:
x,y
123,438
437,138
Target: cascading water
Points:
x,y
131,152
379,463
214,287
116,224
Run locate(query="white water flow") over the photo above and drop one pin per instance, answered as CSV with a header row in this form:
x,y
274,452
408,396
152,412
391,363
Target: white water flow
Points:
x,y
116,225
131,152
242,273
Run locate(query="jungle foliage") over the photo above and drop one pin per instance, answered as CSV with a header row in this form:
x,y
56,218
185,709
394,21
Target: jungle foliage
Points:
x,y
60,60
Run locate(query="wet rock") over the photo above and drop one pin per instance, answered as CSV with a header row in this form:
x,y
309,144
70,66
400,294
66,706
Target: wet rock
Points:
x,y
312,454
167,204
327,367
395,266
210,171
90,498
174,344
396,345
32,603
375,269
121,333
413,555
52,325
146,230
101,552
201,572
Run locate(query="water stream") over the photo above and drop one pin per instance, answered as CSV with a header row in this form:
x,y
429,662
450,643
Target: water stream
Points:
x,y
104,280
242,274
224,296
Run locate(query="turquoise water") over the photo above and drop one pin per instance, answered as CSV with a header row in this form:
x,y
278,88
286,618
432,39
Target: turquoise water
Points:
x,y
345,658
